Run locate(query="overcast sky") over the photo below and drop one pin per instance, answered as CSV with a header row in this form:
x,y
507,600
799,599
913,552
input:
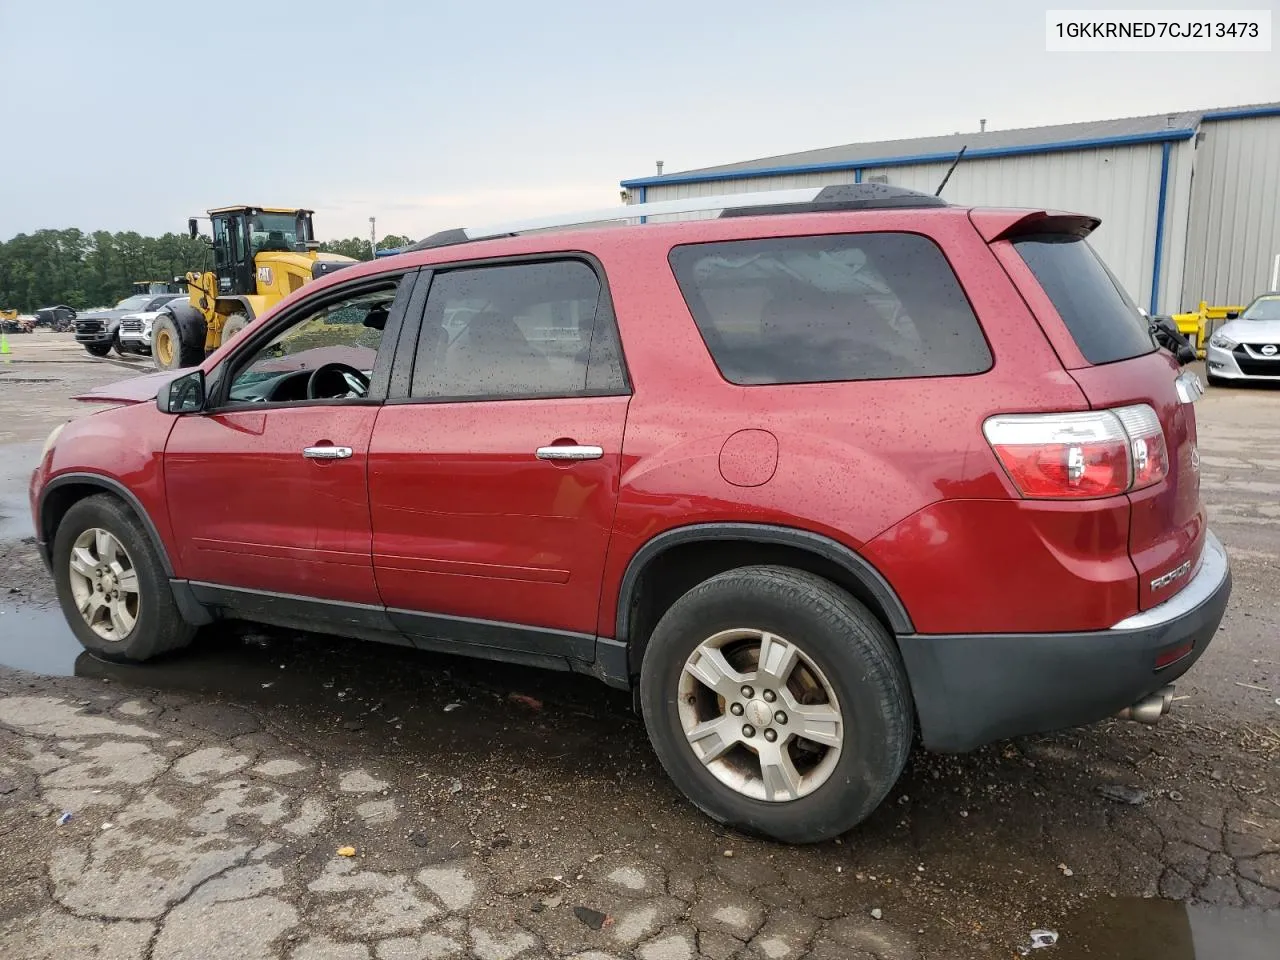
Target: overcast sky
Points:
x,y
135,114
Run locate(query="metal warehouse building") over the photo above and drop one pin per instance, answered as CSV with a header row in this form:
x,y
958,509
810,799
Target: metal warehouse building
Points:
x,y
1189,202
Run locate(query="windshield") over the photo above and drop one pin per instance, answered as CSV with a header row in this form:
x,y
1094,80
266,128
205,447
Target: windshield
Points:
x,y
276,231
134,303
1264,308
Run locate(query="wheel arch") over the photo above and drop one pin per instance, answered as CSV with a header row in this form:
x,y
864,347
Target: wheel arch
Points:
x,y
674,561
66,490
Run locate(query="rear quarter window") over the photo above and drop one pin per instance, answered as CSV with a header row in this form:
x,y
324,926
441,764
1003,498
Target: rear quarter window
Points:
x,y
1103,321
870,306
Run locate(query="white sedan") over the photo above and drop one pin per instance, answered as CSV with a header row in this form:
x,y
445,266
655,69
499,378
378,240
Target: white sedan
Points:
x,y
1247,348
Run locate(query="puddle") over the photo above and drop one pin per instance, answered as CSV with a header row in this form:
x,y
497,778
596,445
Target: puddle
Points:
x,y
17,460
357,687
1140,929
38,639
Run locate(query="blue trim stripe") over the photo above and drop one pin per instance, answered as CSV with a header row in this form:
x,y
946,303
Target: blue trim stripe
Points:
x,y
1158,136
1165,150
1242,113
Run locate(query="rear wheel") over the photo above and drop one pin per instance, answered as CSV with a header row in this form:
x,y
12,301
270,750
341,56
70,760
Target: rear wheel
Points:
x,y
98,349
112,586
777,703
233,325
170,350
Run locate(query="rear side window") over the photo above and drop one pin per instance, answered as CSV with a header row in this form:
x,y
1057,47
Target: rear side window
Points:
x,y
1103,321
870,306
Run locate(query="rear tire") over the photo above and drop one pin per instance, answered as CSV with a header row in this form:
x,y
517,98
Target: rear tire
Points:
x,y
141,621
98,349
841,678
233,325
170,349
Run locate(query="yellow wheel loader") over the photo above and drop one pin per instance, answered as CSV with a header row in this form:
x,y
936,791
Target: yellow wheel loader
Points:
x,y
260,256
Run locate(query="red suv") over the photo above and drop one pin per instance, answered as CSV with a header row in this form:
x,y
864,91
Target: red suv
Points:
x,y
806,475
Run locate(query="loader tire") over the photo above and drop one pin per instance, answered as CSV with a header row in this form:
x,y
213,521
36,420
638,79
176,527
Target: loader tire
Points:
x,y
232,326
175,346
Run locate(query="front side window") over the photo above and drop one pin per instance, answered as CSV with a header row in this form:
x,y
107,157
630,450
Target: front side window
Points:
x,y
872,306
328,354
517,331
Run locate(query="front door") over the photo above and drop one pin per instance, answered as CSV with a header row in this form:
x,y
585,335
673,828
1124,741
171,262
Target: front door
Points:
x,y
272,480
493,484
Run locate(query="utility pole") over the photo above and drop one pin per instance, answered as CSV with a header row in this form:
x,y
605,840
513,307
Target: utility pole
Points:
x,y
373,238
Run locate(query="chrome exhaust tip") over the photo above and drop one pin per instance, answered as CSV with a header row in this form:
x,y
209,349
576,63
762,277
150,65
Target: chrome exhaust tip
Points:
x,y
1151,707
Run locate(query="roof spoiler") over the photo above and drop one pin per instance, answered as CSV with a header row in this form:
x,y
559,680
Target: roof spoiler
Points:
x,y
996,225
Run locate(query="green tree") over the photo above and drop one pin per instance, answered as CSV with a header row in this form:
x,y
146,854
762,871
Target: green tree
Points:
x,y
90,270
353,247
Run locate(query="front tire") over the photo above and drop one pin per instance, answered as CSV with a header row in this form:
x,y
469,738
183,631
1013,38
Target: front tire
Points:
x,y
777,703
98,349
112,586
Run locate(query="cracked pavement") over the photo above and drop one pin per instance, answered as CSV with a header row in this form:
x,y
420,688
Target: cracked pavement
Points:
x,y
211,792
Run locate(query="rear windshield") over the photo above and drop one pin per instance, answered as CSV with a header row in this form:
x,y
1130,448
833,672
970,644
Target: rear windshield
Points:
x,y
1104,322
869,306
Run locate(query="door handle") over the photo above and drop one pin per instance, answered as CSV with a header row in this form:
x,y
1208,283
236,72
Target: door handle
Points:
x,y
326,453
570,452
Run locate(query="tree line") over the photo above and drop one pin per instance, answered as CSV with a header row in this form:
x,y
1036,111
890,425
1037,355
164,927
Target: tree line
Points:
x,y
97,269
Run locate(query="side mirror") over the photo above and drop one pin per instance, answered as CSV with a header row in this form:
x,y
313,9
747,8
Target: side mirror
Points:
x,y
193,228
183,395
1232,314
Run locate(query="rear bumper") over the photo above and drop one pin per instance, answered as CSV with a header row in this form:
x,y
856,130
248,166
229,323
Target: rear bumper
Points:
x,y
973,689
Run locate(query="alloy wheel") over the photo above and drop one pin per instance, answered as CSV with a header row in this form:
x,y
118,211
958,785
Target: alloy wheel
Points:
x,y
760,715
104,584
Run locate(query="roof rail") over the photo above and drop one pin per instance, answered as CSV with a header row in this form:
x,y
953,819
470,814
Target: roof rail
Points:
x,y
853,196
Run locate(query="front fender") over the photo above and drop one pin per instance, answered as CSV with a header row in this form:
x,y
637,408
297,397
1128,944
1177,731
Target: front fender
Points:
x,y
118,451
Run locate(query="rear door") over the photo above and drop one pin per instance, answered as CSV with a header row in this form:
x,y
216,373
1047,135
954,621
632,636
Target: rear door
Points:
x,y
493,479
1106,345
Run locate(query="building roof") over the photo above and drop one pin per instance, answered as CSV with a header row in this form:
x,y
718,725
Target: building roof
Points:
x,y
991,143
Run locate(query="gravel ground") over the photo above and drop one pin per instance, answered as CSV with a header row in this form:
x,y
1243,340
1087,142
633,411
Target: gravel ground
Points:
x,y
210,793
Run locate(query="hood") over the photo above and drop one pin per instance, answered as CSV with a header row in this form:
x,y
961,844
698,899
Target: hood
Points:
x,y
103,315
1251,331
134,390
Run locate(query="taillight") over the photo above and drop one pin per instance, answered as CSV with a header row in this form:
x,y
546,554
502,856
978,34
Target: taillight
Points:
x,y
1098,453
1146,444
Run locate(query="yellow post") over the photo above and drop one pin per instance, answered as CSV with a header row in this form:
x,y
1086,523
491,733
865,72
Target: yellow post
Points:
x,y
4,346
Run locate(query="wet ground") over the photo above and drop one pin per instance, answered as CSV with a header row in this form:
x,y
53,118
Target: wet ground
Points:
x,y
504,813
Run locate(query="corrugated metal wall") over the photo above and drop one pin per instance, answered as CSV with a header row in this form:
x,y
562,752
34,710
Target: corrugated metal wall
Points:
x,y
1121,185
1234,230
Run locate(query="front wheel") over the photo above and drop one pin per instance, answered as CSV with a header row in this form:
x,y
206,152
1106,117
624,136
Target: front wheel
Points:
x,y
98,349
777,703
112,586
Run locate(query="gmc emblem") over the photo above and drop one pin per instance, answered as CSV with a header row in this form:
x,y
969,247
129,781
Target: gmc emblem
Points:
x,y
1171,576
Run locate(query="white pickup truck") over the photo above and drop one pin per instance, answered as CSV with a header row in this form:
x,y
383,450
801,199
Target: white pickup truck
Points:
x,y
135,328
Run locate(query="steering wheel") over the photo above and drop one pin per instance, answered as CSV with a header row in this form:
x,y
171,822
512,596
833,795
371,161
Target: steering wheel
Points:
x,y
335,372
